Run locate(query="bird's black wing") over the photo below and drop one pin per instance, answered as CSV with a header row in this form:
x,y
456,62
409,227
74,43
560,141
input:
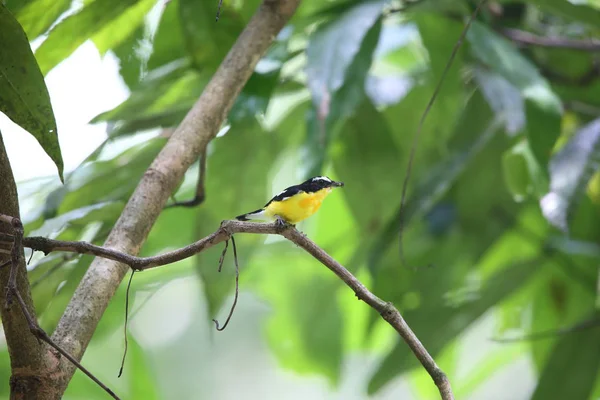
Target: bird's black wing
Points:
x,y
285,194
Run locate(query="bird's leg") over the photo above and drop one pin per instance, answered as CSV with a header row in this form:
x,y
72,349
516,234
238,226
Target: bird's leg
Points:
x,y
280,222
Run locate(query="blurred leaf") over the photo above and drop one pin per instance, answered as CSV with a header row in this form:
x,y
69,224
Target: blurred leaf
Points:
x,y
70,33
37,16
122,26
570,10
107,211
501,56
436,331
207,41
168,44
474,131
159,102
543,129
131,63
318,346
336,75
109,180
516,174
236,182
570,170
503,97
367,160
578,353
142,379
23,94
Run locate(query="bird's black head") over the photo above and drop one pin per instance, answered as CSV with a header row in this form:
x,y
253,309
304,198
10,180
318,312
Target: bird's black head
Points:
x,y
319,182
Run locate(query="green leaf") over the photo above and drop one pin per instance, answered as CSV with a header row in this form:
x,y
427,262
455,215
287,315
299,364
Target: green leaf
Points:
x,y
543,129
207,41
132,61
162,101
336,74
108,180
366,159
516,172
37,16
70,33
439,326
571,168
122,26
474,132
576,12
24,97
242,159
578,353
168,44
142,382
501,56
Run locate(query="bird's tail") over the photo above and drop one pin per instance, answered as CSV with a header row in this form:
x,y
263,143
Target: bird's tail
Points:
x,y
258,214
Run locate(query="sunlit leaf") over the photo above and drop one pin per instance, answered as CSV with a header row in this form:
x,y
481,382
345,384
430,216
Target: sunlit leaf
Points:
x,y
570,170
37,16
70,33
23,94
123,26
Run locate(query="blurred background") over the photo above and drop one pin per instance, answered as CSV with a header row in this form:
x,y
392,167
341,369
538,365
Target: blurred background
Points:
x,y
501,233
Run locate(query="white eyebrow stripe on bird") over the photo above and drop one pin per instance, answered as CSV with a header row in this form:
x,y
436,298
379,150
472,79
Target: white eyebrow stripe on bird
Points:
x,y
321,178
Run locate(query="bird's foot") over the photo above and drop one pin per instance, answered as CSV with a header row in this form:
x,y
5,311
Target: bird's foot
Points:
x,y
281,223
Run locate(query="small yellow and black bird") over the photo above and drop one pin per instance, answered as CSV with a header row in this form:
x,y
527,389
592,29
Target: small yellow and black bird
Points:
x,y
296,202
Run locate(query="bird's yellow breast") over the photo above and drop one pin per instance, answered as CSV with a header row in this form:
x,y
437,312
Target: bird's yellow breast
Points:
x,y
298,207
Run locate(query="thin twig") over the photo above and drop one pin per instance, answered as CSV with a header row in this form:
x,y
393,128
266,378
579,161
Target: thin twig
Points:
x,y
200,192
237,284
219,11
225,232
530,39
126,321
415,142
12,291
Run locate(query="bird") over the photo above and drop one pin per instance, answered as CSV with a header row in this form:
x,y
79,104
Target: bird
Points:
x,y
295,203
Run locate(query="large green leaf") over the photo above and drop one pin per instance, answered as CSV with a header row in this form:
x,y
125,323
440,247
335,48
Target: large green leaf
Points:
x,y
70,33
37,16
23,94
336,73
366,160
543,107
570,171
578,353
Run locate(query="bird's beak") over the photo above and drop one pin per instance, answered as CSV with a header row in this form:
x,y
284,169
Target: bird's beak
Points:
x,y
337,184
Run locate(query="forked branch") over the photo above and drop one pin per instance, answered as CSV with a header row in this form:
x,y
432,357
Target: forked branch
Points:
x,y
225,233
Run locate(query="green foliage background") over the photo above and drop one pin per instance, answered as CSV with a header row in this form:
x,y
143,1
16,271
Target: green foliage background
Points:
x,y
503,210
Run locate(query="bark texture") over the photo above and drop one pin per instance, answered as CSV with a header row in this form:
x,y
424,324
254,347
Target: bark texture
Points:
x,y
32,363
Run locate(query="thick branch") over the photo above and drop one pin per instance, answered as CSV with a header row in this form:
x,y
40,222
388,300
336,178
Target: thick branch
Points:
x,y
78,323
225,232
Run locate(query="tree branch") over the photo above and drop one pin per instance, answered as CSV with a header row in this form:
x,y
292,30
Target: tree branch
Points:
x,y
528,38
225,232
201,124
